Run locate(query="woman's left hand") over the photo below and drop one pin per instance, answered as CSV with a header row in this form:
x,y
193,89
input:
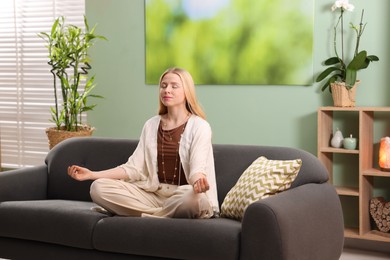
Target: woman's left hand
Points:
x,y
201,185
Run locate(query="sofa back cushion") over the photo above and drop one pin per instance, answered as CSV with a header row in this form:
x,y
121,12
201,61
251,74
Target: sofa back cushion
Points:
x,y
98,153
232,160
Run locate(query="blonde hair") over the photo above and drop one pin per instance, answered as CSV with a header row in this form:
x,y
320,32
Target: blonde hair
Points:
x,y
192,103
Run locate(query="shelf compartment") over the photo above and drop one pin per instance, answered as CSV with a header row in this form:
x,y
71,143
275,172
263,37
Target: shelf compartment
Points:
x,y
373,235
375,173
347,191
337,150
373,109
351,232
377,236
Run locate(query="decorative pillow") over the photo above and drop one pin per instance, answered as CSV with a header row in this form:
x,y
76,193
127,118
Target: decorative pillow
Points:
x,y
260,180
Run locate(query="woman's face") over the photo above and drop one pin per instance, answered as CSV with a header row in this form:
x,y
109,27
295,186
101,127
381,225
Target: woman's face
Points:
x,y
172,91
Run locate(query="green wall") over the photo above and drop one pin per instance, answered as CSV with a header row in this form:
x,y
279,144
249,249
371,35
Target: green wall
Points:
x,y
243,114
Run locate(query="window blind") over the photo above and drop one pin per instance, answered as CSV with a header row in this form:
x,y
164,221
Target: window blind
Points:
x,y
26,84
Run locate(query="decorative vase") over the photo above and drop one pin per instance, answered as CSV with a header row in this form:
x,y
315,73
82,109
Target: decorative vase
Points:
x,y
343,97
337,139
56,136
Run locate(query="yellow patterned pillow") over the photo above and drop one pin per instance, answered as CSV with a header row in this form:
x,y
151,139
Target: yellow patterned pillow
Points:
x,y
260,180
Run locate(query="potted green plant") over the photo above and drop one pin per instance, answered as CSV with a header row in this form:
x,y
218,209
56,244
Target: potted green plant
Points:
x,y
341,76
68,57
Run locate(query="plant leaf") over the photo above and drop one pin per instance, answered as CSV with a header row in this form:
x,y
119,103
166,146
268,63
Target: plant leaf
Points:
x,y
358,62
95,96
369,59
372,58
326,73
332,61
329,81
325,86
88,108
350,78
55,24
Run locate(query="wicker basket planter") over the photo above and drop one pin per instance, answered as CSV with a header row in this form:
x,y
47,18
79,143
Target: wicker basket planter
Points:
x,y
56,136
343,97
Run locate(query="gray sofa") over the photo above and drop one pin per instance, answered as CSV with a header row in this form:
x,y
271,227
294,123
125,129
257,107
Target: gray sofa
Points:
x,y
44,214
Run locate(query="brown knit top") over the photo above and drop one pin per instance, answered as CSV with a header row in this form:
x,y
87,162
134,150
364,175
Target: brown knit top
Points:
x,y
168,153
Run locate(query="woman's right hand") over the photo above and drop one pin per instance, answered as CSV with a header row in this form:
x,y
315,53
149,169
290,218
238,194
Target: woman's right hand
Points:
x,y
80,173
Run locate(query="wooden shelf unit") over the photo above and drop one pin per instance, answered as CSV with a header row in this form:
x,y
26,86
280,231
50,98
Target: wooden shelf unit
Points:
x,y
366,173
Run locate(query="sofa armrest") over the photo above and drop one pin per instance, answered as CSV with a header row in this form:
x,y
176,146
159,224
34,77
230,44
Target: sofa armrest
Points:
x,y
305,222
24,184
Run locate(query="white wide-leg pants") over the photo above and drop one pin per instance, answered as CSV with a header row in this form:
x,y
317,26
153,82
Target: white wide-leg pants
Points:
x,y
126,199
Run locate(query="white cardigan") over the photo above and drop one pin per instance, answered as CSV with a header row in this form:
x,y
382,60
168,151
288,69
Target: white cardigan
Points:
x,y
195,150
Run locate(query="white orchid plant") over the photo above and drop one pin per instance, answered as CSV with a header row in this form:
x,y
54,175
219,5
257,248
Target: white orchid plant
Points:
x,y
340,70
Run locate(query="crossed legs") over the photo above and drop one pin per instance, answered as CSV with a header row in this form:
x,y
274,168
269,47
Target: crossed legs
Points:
x,y
126,199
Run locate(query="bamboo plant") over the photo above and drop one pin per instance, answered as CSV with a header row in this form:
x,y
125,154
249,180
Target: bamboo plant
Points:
x,y
68,57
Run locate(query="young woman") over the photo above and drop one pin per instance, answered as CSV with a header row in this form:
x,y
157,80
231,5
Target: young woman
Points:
x,y
171,172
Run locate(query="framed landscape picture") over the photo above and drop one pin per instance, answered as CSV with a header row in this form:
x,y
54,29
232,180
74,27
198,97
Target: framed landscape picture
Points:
x,y
231,42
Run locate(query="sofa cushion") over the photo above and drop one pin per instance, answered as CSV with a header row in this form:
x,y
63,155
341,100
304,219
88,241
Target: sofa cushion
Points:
x,y
216,238
69,223
263,178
